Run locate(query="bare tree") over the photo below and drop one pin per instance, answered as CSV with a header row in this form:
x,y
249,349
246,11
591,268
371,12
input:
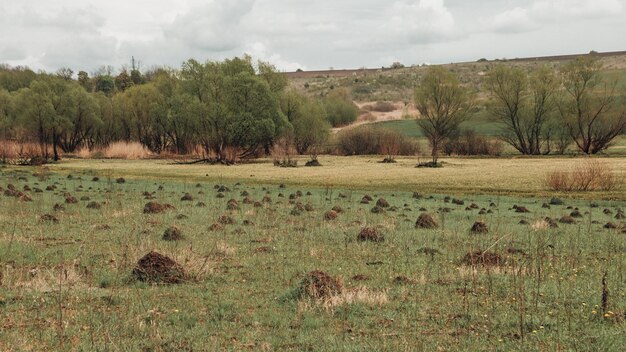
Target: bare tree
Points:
x,y
524,105
591,109
443,105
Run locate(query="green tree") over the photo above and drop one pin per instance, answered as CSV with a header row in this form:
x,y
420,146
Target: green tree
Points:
x,y
340,109
443,105
524,105
85,81
142,110
123,81
6,112
591,110
35,111
82,119
310,127
105,84
237,108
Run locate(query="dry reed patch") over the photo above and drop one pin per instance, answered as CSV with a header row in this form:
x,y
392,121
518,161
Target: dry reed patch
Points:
x,y
120,150
589,175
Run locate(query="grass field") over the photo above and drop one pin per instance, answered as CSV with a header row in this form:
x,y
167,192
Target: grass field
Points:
x,y
68,285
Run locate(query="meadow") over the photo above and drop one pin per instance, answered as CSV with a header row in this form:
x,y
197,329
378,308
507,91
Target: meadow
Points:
x,y
508,265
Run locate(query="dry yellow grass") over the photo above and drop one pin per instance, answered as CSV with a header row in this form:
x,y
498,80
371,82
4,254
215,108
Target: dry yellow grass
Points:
x,y
512,176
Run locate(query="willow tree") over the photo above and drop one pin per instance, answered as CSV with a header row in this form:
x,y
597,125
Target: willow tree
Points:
x,y
238,109
443,105
525,106
592,109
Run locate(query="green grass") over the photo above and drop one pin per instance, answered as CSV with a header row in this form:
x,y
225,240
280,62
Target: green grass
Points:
x,y
68,286
410,128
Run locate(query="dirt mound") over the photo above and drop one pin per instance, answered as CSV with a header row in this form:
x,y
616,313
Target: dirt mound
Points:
x,y
94,205
378,210
156,268
458,201
330,215
49,218
120,180
319,285
226,220
521,209
609,225
338,209
425,221
156,208
232,205
403,280
482,258
313,162
556,201
173,233
216,227
360,277
382,202
370,234
551,222
187,198
368,198
567,220
71,200
576,214
479,227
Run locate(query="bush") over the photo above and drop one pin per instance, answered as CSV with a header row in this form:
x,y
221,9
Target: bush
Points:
x,y
340,110
591,175
372,141
468,143
381,106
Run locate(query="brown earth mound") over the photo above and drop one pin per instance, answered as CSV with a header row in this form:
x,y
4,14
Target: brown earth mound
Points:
x,y
156,208
156,268
382,202
370,234
567,220
226,220
479,227
173,233
187,197
482,258
49,218
94,205
319,285
330,215
425,221
521,210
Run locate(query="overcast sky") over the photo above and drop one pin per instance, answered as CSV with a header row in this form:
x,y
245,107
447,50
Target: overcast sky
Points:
x,y
86,34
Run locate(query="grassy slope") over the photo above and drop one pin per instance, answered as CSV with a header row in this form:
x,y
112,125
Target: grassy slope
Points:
x,y
243,298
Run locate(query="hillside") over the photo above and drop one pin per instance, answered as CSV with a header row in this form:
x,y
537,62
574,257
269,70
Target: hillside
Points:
x,y
397,86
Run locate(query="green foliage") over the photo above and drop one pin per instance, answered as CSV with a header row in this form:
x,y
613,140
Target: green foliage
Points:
x,y
443,105
307,117
592,110
340,109
525,105
105,84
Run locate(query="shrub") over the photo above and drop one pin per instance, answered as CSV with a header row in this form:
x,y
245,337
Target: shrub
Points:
x,y
591,175
380,106
468,143
371,141
340,110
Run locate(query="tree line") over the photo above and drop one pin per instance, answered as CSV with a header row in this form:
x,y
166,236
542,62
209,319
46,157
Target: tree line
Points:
x,y
229,109
237,108
543,111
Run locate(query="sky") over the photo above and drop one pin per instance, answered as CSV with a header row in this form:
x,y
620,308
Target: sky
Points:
x,y
301,34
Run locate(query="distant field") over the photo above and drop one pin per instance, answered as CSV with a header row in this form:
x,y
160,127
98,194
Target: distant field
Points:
x,y
501,176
